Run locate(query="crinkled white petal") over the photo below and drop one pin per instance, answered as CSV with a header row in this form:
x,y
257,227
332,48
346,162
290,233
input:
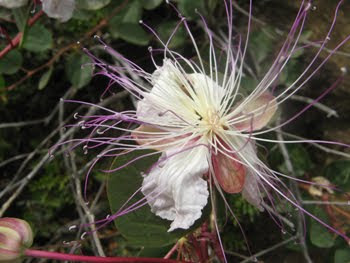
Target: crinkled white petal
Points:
x,y
13,3
59,9
175,189
178,98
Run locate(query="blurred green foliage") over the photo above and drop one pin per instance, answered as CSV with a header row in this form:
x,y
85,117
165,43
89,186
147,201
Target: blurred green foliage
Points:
x,y
48,196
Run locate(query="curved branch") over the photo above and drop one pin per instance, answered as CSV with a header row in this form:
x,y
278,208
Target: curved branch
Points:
x,y
87,35
17,39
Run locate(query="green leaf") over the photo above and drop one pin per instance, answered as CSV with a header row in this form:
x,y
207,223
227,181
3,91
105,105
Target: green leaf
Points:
x,y
298,52
342,255
44,80
21,16
11,62
166,29
188,8
92,4
154,252
128,19
126,25
38,39
132,33
339,173
248,84
212,4
305,35
132,13
78,73
140,227
151,4
320,235
291,71
261,45
299,157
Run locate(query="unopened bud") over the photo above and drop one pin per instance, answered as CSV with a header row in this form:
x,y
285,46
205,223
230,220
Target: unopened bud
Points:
x,y
15,236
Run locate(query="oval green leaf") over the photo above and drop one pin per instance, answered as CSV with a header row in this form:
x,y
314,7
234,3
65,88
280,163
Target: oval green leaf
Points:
x,y
320,235
38,39
132,33
11,62
45,78
188,8
339,174
342,255
167,28
78,69
151,4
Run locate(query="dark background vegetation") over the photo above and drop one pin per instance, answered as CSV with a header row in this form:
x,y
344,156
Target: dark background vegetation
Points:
x,y
47,67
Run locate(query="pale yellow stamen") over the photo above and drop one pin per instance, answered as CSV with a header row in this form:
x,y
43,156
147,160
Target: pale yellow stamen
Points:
x,y
212,123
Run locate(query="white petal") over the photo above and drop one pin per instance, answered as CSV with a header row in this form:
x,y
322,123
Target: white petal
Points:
x,y
59,9
207,91
175,189
246,151
168,102
13,3
149,113
257,112
251,191
245,148
168,73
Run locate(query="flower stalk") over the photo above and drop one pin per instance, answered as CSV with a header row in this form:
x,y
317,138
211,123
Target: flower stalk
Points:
x,y
80,258
16,236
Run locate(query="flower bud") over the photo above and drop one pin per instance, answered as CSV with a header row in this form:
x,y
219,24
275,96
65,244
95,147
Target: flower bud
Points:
x,y
15,236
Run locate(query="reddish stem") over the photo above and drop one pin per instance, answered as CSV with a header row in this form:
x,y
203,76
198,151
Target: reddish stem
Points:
x,y
217,247
197,248
203,242
172,251
17,39
80,258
